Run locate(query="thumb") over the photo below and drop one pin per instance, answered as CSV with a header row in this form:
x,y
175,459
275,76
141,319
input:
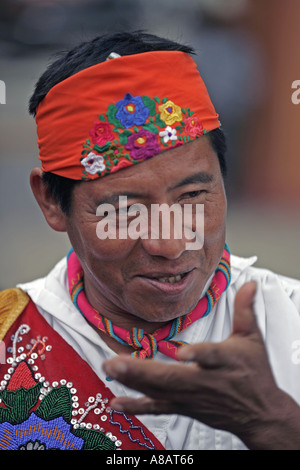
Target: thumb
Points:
x,y
244,321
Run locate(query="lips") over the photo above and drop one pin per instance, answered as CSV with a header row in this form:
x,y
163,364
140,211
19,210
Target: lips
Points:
x,y
171,279
168,283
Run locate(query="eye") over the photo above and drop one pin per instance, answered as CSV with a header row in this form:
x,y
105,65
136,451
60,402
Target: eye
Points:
x,y
194,193
192,196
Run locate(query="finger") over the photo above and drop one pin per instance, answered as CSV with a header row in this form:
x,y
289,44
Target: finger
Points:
x,y
244,320
143,405
152,378
207,355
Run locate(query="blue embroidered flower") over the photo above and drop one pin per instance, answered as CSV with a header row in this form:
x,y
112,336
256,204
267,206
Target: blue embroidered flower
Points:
x,y
132,111
53,434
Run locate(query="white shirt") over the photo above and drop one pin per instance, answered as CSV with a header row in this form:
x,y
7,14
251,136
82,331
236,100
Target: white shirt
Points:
x,y
277,308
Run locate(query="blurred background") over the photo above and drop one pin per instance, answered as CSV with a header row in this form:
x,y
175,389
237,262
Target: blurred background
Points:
x,y
248,54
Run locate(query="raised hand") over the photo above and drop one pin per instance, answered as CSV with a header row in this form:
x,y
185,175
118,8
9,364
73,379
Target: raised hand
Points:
x,y
227,385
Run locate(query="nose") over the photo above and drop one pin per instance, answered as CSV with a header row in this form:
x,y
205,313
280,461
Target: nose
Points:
x,y
167,248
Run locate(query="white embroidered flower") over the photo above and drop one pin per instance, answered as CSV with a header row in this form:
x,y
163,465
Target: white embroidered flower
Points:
x,y
168,134
93,163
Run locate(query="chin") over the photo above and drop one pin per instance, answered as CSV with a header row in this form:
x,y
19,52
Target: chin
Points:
x,y
166,312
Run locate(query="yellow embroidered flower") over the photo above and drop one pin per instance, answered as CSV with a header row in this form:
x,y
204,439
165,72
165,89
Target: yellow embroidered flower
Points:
x,y
170,113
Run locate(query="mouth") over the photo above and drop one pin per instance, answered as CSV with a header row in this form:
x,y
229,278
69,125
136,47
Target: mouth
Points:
x,y
171,279
169,283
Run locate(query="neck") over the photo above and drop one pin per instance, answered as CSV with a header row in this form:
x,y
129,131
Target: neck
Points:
x,y
119,329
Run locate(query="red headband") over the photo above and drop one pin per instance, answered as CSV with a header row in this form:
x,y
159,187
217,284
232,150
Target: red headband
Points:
x,y
121,112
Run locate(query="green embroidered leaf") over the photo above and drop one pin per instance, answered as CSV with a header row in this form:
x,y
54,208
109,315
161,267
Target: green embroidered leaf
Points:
x,y
183,110
151,128
164,100
56,403
94,440
101,117
5,415
19,403
111,116
103,148
157,99
124,137
150,104
159,122
136,129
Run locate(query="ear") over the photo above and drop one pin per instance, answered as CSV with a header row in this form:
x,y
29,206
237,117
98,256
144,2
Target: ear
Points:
x,y
51,209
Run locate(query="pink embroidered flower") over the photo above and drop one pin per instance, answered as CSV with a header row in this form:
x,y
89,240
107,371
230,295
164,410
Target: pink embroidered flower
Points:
x,y
193,127
120,165
143,145
101,133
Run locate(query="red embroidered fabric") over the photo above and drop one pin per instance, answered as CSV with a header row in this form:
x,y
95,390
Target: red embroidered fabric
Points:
x,y
48,391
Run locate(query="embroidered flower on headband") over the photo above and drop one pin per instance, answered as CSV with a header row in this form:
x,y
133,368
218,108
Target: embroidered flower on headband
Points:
x,y
134,129
170,112
93,163
132,111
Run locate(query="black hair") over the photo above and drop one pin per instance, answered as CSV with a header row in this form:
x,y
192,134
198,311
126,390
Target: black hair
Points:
x,y
91,53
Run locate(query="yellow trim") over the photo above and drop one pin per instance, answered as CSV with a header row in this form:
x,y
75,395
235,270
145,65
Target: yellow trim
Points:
x,y
12,303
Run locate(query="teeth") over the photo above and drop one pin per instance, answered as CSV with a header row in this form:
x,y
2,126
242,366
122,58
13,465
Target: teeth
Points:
x,y
172,279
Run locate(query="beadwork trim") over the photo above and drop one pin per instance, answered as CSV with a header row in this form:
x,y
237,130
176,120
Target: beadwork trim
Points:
x,y
38,414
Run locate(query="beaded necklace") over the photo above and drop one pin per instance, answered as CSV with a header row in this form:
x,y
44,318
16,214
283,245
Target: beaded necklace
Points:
x,y
146,345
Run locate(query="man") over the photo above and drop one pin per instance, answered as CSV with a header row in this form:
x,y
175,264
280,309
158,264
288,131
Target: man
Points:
x,y
205,338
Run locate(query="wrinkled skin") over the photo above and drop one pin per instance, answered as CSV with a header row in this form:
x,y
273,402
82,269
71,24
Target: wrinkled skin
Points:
x,y
227,385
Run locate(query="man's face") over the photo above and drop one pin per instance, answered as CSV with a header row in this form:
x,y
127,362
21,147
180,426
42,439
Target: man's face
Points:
x,y
123,278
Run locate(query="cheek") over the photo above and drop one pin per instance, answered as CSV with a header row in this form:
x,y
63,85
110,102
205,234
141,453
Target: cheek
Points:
x,y
90,241
215,210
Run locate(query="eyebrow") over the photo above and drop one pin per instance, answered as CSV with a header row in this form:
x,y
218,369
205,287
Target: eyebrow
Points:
x,y
201,177
114,199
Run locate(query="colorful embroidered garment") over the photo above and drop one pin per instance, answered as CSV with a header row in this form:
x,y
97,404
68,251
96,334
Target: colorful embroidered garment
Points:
x,y
121,112
51,399
146,345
